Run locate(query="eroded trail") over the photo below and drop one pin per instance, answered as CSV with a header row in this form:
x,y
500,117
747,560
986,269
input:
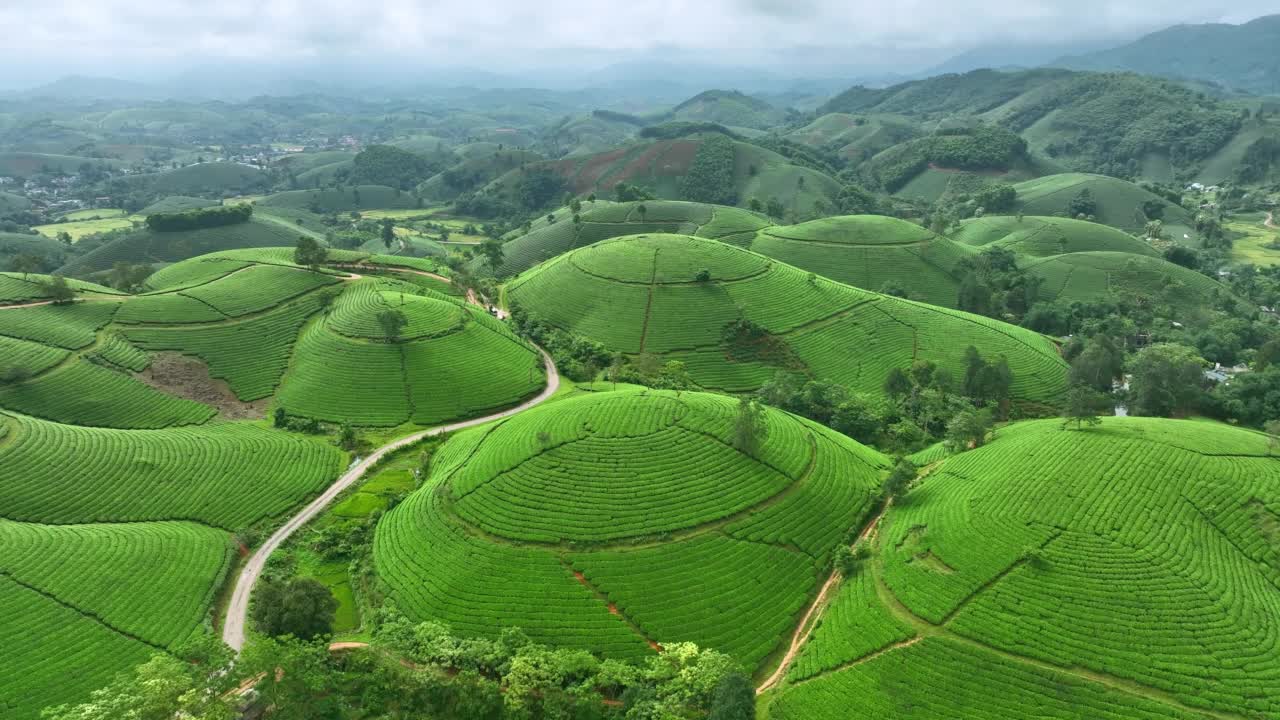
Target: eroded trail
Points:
x,y
807,622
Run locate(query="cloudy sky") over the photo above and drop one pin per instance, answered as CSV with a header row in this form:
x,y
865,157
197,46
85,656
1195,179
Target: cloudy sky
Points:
x,y
48,38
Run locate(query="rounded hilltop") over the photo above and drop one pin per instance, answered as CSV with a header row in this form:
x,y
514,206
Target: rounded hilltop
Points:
x,y
736,318
617,521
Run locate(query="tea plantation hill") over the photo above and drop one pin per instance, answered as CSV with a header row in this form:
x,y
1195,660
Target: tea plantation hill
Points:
x,y
145,245
121,500
602,219
1041,236
176,203
1128,570
617,521
1119,203
217,179
344,199
871,252
674,295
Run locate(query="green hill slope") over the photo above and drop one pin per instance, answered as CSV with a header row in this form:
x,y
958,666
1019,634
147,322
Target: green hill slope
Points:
x,y
474,172
359,197
1114,123
641,294
618,520
662,165
176,203
1089,276
871,252
1040,236
149,246
729,108
856,137
1241,57
10,203
1118,203
451,361
603,219
1126,571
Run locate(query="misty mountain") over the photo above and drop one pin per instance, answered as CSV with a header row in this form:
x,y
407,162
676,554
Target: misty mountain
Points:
x,y
1241,57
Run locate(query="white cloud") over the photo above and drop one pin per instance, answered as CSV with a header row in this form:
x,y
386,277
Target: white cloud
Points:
x,y
155,34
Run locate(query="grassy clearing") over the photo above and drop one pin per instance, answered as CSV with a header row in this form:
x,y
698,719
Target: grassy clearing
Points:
x,y
1251,241
79,229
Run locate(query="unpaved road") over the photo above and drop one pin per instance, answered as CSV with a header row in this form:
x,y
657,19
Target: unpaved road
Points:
x,y
805,628
233,629
1270,222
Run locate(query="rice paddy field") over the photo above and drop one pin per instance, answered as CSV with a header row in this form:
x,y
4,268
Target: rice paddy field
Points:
x,y
1124,571
641,294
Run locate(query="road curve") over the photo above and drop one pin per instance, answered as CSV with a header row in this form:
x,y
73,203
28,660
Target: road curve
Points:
x,y
233,628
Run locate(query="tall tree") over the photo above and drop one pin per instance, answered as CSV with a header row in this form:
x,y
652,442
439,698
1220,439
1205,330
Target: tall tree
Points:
x,y
26,264
493,253
1083,405
749,427
388,233
309,252
1166,379
393,322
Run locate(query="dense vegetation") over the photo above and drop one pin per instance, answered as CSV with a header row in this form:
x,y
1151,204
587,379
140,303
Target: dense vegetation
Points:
x,y
200,218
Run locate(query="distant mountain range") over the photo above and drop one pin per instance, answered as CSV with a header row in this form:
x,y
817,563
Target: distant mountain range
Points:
x,y
1238,57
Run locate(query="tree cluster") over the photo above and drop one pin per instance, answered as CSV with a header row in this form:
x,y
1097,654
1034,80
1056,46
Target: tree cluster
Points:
x,y
200,218
711,174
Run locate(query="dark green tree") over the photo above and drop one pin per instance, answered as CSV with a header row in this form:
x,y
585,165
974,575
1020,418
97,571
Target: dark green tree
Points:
x,y
388,233
301,607
733,699
1166,379
393,322
1082,406
309,252
750,428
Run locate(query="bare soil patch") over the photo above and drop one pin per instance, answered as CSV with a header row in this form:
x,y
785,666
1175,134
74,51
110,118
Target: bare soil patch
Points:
x,y
188,377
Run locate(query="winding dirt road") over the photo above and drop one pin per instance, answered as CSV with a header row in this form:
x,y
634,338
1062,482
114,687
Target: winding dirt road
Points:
x,y
1270,222
806,627
233,629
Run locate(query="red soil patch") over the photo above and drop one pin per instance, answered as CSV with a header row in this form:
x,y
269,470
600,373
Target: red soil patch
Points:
x,y
590,172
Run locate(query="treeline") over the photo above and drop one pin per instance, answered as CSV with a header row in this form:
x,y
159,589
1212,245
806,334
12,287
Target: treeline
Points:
x,y
420,671
391,166
1115,119
710,177
979,148
201,218
684,128
613,116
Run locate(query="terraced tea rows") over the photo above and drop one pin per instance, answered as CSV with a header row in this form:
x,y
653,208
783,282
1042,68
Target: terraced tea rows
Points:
x,y
1129,570
450,361
871,252
572,486
226,475
619,293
